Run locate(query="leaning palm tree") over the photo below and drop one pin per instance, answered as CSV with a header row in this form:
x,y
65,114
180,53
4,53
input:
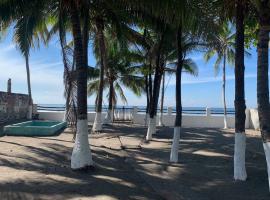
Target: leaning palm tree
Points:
x,y
28,27
60,26
223,47
25,51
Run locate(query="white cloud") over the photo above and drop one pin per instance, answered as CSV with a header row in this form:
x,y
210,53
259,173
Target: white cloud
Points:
x,y
46,77
188,80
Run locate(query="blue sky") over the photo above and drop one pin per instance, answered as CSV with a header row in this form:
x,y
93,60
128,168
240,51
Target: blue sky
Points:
x,y
47,82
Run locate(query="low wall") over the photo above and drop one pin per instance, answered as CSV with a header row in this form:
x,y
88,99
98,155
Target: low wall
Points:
x,y
13,106
254,119
59,115
195,121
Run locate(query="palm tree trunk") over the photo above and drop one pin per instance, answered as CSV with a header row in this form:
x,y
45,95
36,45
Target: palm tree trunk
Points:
x,y
154,99
147,99
262,80
109,116
224,91
239,103
97,126
30,101
81,155
162,100
178,93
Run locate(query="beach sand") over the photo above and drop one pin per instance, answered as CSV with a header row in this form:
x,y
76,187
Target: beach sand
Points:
x,y
128,168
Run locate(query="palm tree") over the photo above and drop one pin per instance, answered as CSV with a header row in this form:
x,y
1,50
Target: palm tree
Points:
x,y
97,126
160,123
29,25
240,104
81,157
242,14
223,47
263,8
105,14
120,73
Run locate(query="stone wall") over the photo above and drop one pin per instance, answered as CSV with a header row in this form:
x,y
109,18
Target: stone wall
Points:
x,y
13,106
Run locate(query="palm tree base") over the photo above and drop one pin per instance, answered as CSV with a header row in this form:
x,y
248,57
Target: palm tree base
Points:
x,y
160,121
240,173
154,125
146,119
175,145
151,128
85,169
97,126
81,155
109,117
266,147
225,122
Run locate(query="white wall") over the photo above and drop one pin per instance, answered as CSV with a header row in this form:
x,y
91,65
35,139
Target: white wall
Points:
x,y
208,120
59,115
190,120
254,119
51,115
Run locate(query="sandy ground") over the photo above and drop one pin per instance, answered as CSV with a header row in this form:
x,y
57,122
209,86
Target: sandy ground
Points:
x,y
126,168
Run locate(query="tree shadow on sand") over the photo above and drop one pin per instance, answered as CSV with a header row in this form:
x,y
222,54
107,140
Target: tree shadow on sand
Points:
x,y
204,172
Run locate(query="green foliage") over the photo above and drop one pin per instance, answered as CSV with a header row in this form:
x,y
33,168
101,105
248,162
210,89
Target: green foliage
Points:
x,y
222,46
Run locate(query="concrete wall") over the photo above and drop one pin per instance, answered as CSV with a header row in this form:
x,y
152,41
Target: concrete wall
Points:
x,y
207,120
13,106
59,115
195,121
254,119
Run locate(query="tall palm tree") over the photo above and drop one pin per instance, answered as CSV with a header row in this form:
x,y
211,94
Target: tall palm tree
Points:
x,y
97,126
160,123
240,104
81,157
242,14
29,25
263,8
105,14
223,47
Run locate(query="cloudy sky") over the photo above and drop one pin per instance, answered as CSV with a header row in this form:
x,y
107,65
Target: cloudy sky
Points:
x,y
47,82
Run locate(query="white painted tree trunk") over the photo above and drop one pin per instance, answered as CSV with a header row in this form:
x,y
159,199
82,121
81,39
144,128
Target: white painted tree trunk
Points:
x,y
109,117
160,121
146,120
151,128
81,155
175,145
154,129
224,92
266,147
225,122
97,126
30,112
239,157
